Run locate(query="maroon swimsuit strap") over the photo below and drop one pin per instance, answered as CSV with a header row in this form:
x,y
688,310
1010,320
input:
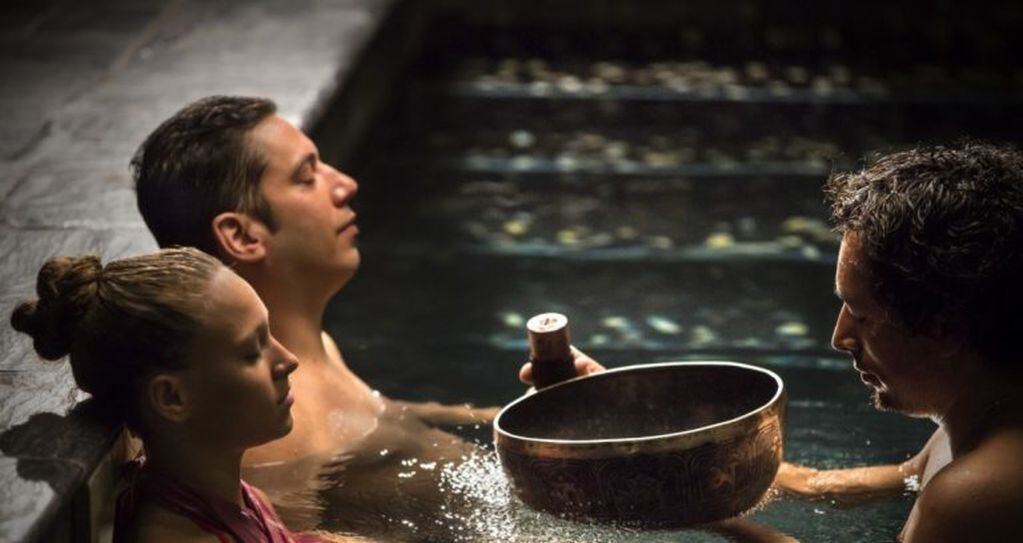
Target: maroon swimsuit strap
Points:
x,y
256,522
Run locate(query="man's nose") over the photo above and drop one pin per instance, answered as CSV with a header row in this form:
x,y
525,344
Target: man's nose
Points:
x,y
344,188
842,339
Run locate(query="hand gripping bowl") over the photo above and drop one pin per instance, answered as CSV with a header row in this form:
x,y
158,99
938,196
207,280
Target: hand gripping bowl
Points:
x,y
653,446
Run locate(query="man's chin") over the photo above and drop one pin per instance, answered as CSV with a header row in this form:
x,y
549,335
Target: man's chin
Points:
x,y
885,402
346,272
348,264
882,402
883,399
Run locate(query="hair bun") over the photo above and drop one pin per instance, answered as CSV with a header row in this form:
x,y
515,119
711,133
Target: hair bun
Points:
x,y
66,287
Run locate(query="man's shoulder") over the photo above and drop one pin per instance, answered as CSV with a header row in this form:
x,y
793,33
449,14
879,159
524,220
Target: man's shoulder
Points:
x,y
978,496
993,470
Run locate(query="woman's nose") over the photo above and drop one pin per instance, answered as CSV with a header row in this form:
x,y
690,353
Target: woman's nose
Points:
x,y
286,362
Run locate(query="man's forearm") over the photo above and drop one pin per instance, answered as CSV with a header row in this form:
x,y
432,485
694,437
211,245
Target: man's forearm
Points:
x,y
852,482
438,414
745,531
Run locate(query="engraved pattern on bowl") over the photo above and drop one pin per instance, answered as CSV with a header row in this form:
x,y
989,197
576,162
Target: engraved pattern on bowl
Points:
x,y
654,446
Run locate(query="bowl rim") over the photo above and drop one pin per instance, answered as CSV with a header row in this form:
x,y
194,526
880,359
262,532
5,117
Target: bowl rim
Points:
x,y
499,431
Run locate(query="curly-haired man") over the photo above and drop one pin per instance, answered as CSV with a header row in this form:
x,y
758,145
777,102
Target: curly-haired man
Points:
x,y
930,275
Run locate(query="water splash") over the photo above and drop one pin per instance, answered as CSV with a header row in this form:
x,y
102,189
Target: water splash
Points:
x,y
482,507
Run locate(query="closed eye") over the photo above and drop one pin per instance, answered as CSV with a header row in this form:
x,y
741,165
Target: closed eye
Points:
x,y
256,343
860,318
305,173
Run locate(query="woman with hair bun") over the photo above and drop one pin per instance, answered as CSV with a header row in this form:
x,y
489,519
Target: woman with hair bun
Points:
x,y
177,346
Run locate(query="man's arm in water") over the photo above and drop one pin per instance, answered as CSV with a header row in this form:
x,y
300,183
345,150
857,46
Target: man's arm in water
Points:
x,y
862,482
740,530
839,483
437,414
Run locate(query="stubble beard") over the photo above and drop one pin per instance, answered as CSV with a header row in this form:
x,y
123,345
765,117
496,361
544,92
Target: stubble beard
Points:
x,y
880,402
885,403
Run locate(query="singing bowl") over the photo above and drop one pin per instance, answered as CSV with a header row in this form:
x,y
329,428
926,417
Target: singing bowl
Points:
x,y
652,446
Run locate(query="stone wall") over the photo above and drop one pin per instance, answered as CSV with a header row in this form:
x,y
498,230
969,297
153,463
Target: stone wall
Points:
x,y
84,83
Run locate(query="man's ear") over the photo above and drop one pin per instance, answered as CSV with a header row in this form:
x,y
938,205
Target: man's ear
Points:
x,y
952,338
240,237
168,397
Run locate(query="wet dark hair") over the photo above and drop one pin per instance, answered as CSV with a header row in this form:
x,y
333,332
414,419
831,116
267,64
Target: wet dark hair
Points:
x,y
197,164
941,229
121,323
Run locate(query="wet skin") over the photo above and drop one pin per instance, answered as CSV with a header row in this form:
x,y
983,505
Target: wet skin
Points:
x,y
969,472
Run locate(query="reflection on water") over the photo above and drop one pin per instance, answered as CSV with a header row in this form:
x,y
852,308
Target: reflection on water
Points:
x,y
495,515
386,485
407,481
472,501
467,499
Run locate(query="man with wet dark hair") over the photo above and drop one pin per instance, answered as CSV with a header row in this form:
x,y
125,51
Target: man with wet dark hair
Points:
x,y
930,273
197,164
945,242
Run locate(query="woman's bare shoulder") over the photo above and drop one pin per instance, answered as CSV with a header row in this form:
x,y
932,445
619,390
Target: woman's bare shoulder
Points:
x,y
156,524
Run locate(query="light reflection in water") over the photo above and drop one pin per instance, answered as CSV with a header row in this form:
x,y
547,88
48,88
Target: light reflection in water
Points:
x,y
490,512
460,497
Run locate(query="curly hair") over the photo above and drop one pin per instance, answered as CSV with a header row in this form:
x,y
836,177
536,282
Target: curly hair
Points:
x,y
121,323
197,164
941,229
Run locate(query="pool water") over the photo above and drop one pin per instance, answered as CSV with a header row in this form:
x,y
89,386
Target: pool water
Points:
x,y
662,193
